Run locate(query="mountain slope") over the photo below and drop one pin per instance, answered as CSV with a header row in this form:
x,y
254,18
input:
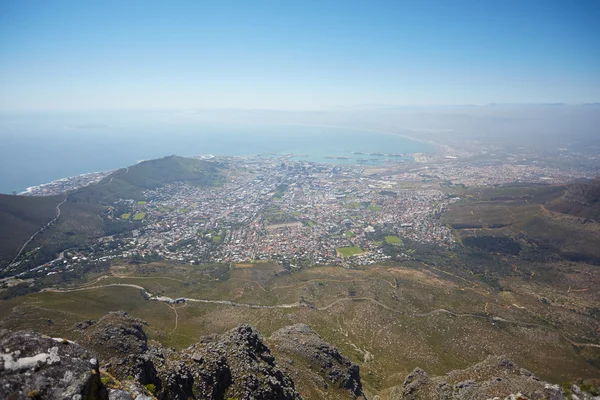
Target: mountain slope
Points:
x,y
81,215
21,217
580,200
130,182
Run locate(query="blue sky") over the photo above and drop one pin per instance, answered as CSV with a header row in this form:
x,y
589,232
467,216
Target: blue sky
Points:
x,y
72,55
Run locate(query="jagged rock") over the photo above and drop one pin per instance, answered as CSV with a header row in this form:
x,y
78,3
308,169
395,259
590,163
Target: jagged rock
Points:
x,y
237,364
178,383
553,392
300,341
414,382
32,366
116,333
138,366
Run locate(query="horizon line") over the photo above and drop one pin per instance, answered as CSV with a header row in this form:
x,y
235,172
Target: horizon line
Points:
x,y
192,110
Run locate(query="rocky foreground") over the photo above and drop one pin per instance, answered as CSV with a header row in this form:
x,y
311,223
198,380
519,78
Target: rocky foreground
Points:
x,y
238,364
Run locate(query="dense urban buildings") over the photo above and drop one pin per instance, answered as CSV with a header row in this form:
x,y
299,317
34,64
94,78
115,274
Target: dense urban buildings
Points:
x,y
297,213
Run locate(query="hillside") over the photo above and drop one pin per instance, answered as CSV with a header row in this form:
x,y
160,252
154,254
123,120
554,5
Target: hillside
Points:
x,y
20,217
130,182
83,214
385,319
530,221
580,200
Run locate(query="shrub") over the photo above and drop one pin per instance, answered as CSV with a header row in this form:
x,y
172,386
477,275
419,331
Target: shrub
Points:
x,y
151,387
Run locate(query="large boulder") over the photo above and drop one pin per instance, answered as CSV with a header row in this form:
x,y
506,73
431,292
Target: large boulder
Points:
x,y
37,367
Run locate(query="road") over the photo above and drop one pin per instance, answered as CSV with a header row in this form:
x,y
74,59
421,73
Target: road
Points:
x,y
110,181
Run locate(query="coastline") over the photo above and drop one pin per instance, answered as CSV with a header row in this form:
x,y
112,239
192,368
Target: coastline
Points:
x,y
65,184
312,153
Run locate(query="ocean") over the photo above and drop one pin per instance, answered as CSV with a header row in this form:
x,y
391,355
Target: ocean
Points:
x,y
34,153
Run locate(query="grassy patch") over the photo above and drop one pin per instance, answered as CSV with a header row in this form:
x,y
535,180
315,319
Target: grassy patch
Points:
x,y
393,240
373,207
349,234
349,251
141,202
139,216
125,215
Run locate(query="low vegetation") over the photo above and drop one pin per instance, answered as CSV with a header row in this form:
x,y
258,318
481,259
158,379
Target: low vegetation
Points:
x,y
349,251
383,317
393,240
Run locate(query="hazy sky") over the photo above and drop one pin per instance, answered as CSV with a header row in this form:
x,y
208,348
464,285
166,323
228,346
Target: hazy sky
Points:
x,y
300,54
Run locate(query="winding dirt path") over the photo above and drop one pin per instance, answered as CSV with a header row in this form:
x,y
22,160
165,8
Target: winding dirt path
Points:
x,y
176,317
47,225
110,180
81,289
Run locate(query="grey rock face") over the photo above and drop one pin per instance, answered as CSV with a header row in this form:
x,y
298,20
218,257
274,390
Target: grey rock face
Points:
x,y
179,383
32,366
116,394
413,382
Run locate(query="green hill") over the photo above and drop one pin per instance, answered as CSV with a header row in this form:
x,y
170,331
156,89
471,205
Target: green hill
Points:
x,y
130,182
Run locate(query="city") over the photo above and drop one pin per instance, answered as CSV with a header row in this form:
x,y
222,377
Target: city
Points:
x,y
296,213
